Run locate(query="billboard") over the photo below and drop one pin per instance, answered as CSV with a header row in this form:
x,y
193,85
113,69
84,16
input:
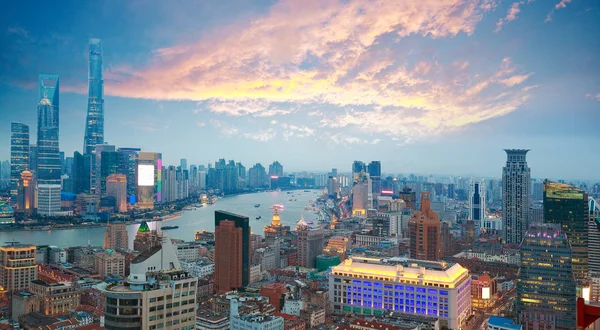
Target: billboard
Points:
x,y
485,293
145,175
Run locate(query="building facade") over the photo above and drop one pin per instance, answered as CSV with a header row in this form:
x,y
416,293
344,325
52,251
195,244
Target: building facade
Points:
x,y
116,237
94,127
516,180
377,286
148,179
48,201
48,152
116,187
477,201
425,232
19,154
310,243
17,266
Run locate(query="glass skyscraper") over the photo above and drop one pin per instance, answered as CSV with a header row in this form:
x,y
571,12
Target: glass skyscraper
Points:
x,y
546,287
19,155
516,177
568,206
94,127
49,166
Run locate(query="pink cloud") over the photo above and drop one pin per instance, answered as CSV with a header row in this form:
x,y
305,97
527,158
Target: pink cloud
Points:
x,y
560,5
512,15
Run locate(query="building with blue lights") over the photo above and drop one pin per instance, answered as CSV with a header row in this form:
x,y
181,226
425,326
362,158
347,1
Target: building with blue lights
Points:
x,y
378,286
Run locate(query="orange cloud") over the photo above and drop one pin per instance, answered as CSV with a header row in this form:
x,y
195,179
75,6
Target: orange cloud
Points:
x,y
336,53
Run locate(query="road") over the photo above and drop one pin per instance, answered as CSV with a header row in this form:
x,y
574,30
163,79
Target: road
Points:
x,y
479,319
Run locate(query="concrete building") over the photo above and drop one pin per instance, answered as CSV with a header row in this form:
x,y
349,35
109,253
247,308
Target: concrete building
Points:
x,y
116,186
254,321
362,196
56,299
48,199
516,181
310,243
199,268
232,251
109,263
189,251
370,286
275,292
483,291
546,287
116,237
425,232
158,294
17,266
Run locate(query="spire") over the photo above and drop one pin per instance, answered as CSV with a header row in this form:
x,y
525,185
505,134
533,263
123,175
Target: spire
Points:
x,y
144,227
276,220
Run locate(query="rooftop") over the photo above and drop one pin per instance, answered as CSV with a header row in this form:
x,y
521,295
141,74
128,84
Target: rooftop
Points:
x,y
503,322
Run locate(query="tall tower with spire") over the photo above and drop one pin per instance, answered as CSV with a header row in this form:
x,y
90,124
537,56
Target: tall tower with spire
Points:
x,y
94,124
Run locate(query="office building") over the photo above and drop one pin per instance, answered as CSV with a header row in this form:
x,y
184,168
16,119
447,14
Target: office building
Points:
x,y
362,198
357,168
148,179
546,287
594,237
19,154
333,187
568,207
374,169
275,169
48,200
94,128
26,193
127,166
516,178
376,286
183,164
33,158
158,294
477,201
48,153
101,150
116,187
116,237
82,173
232,251
425,232
310,243
109,264
17,266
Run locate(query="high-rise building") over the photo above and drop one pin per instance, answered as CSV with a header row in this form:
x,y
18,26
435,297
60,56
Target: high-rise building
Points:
x,y
374,169
477,201
48,200
94,123
17,266
516,178
425,234
19,154
157,294
194,182
48,157
183,164
357,168
82,173
594,237
227,253
257,176
333,187
148,179
33,158
546,287
568,207
115,237
276,169
116,187
26,193
96,173
109,165
366,286
310,243
362,197
127,165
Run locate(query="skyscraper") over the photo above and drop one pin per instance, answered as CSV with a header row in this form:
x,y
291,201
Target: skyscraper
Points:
x,y
96,173
310,243
108,166
17,266
357,167
183,164
94,128
257,177
477,201
594,237
362,198
516,178
276,169
49,167
116,186
546,288
232,251
568,207
116,237
127,162
425,232
19,154
374,169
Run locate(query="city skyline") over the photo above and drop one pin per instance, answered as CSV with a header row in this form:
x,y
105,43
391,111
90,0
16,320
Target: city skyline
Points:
x,y
442,110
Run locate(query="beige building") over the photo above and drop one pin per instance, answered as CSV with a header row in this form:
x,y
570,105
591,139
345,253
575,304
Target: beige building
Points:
x,y
116,186
115,237
110,263
56,298
17,266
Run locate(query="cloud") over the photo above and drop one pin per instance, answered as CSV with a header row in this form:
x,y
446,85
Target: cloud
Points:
x,y
226,130
513,11
201,124
593,97
335,64
515,80
298,131
146,125
560,5
263,136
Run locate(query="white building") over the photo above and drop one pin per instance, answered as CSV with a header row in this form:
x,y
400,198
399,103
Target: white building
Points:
x,y
292,306
188,251
48,199
255,273
491,223
371,286
254,321
198,268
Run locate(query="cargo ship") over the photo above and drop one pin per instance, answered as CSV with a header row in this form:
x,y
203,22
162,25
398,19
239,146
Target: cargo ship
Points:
x,y
169,227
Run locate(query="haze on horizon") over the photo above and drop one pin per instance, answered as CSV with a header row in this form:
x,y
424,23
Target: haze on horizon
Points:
x,y
424,86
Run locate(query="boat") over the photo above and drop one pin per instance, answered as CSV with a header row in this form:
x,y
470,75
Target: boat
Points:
x,y
289,192
256,205
169,227
258,217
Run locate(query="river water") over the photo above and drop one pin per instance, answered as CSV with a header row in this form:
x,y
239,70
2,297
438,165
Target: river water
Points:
x,y
189,222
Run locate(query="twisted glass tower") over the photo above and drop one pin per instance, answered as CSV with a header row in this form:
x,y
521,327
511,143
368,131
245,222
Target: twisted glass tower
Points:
x,y
94,127
49,167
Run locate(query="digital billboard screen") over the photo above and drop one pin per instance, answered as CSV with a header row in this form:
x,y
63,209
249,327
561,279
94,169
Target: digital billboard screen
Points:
x,y
485,293
145,175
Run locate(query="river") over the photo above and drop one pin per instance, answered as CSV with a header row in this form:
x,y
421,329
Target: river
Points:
x,y
189,222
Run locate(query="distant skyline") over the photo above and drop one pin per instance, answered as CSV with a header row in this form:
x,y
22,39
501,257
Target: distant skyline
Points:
x,y
424,86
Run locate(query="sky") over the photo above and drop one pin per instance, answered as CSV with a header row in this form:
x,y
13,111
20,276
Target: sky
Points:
x,y
425,86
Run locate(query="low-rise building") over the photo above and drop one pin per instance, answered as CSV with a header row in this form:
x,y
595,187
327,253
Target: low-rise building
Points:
x,y
200,268
255,321
56,298
109,263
